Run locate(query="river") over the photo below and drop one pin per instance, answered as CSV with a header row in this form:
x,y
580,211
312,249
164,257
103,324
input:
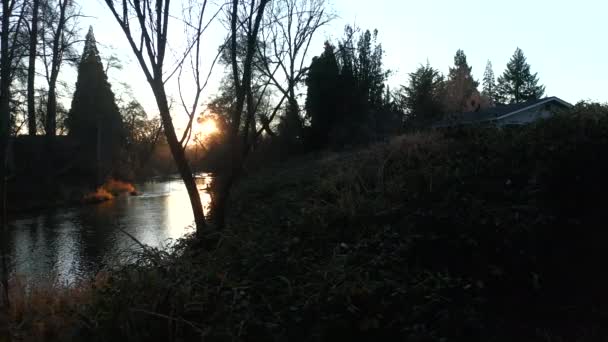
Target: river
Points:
x,y
66,244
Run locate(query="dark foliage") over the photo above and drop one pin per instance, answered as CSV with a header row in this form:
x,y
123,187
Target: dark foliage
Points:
x,y
346,87
460,86
321,100
518,84
94,118
422,98
466,234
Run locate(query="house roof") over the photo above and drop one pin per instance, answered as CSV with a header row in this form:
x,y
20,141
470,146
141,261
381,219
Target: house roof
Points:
x,y
497,113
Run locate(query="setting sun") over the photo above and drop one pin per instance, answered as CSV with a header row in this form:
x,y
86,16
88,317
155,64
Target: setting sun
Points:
x,y
206,127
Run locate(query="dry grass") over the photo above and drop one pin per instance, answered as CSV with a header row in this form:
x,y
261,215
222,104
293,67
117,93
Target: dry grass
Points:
x,y
107,191
118,187
50,310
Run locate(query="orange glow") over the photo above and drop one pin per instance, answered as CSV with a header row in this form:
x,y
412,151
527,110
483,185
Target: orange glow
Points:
x,y
205,129
100,195
118,187
107,191
208,127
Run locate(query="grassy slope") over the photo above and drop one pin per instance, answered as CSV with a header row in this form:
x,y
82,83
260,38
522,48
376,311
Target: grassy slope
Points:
x,y
460,235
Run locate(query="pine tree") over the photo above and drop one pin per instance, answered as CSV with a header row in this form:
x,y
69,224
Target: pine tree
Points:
x,y
517,84
422,97
460,85
94,119
489,84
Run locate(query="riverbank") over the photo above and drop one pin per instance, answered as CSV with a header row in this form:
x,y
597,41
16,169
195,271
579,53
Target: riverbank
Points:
x,y
476,234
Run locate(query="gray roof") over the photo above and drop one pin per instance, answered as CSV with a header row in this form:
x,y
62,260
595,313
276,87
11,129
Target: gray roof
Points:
x,y
496,113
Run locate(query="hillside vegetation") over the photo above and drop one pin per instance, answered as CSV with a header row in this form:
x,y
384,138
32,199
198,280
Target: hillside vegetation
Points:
x,y
456,235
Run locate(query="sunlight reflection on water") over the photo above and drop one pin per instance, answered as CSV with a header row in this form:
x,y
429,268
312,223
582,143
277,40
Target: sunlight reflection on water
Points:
x,y
69,243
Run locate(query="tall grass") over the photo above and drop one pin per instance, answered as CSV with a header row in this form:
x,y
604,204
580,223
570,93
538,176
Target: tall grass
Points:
x,y
51,310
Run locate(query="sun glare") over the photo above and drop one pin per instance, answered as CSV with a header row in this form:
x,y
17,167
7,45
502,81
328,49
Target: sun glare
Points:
x,y
208,127
205,128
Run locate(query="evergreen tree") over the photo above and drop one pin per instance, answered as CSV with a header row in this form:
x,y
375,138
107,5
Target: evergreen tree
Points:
x,y
321,101
361,86
489,84
421,99
369,74
94,119
517,84
460,85
346,91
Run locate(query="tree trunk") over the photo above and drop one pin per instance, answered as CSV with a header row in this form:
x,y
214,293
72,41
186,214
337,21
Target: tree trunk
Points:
x,y
51,109
180,158
5,65
31,71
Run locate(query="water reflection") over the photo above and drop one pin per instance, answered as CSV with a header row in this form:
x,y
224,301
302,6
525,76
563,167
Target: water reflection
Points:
x,y
75,242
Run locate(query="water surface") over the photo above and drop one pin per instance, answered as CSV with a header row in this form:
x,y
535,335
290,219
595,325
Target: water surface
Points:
x,y
68,243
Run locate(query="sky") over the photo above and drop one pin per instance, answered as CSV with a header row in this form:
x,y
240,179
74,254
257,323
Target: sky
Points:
x,y
565,42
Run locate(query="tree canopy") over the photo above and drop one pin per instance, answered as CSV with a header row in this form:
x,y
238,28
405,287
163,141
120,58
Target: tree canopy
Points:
x,y
517,83
460,86
489,84
422,98
94,119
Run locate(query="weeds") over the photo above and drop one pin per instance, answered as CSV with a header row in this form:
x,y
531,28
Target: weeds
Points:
x,y
463,234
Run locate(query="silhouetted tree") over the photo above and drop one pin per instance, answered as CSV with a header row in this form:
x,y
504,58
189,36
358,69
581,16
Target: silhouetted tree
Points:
x,y
361,86
422,98
59,35
489,84
245,20
141,137
517,83
389,118
146,31
461,93
12,18
321,100
285,36
31,71
94,118
368,69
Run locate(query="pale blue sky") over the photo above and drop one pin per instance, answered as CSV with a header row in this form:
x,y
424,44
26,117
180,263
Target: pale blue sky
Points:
x,y
566,42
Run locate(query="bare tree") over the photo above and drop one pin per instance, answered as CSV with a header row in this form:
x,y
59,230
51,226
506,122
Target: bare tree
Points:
x,y
12,20
60,27
31,71
289,27
245,21
145,23
193,32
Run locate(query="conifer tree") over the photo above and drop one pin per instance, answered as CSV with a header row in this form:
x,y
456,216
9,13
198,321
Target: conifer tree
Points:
x,y
321,100
489,84
94,119
517,84
460,85
421,99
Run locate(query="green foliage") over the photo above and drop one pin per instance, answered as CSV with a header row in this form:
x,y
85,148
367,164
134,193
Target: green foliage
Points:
x,y
517,84
422,98
489,84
